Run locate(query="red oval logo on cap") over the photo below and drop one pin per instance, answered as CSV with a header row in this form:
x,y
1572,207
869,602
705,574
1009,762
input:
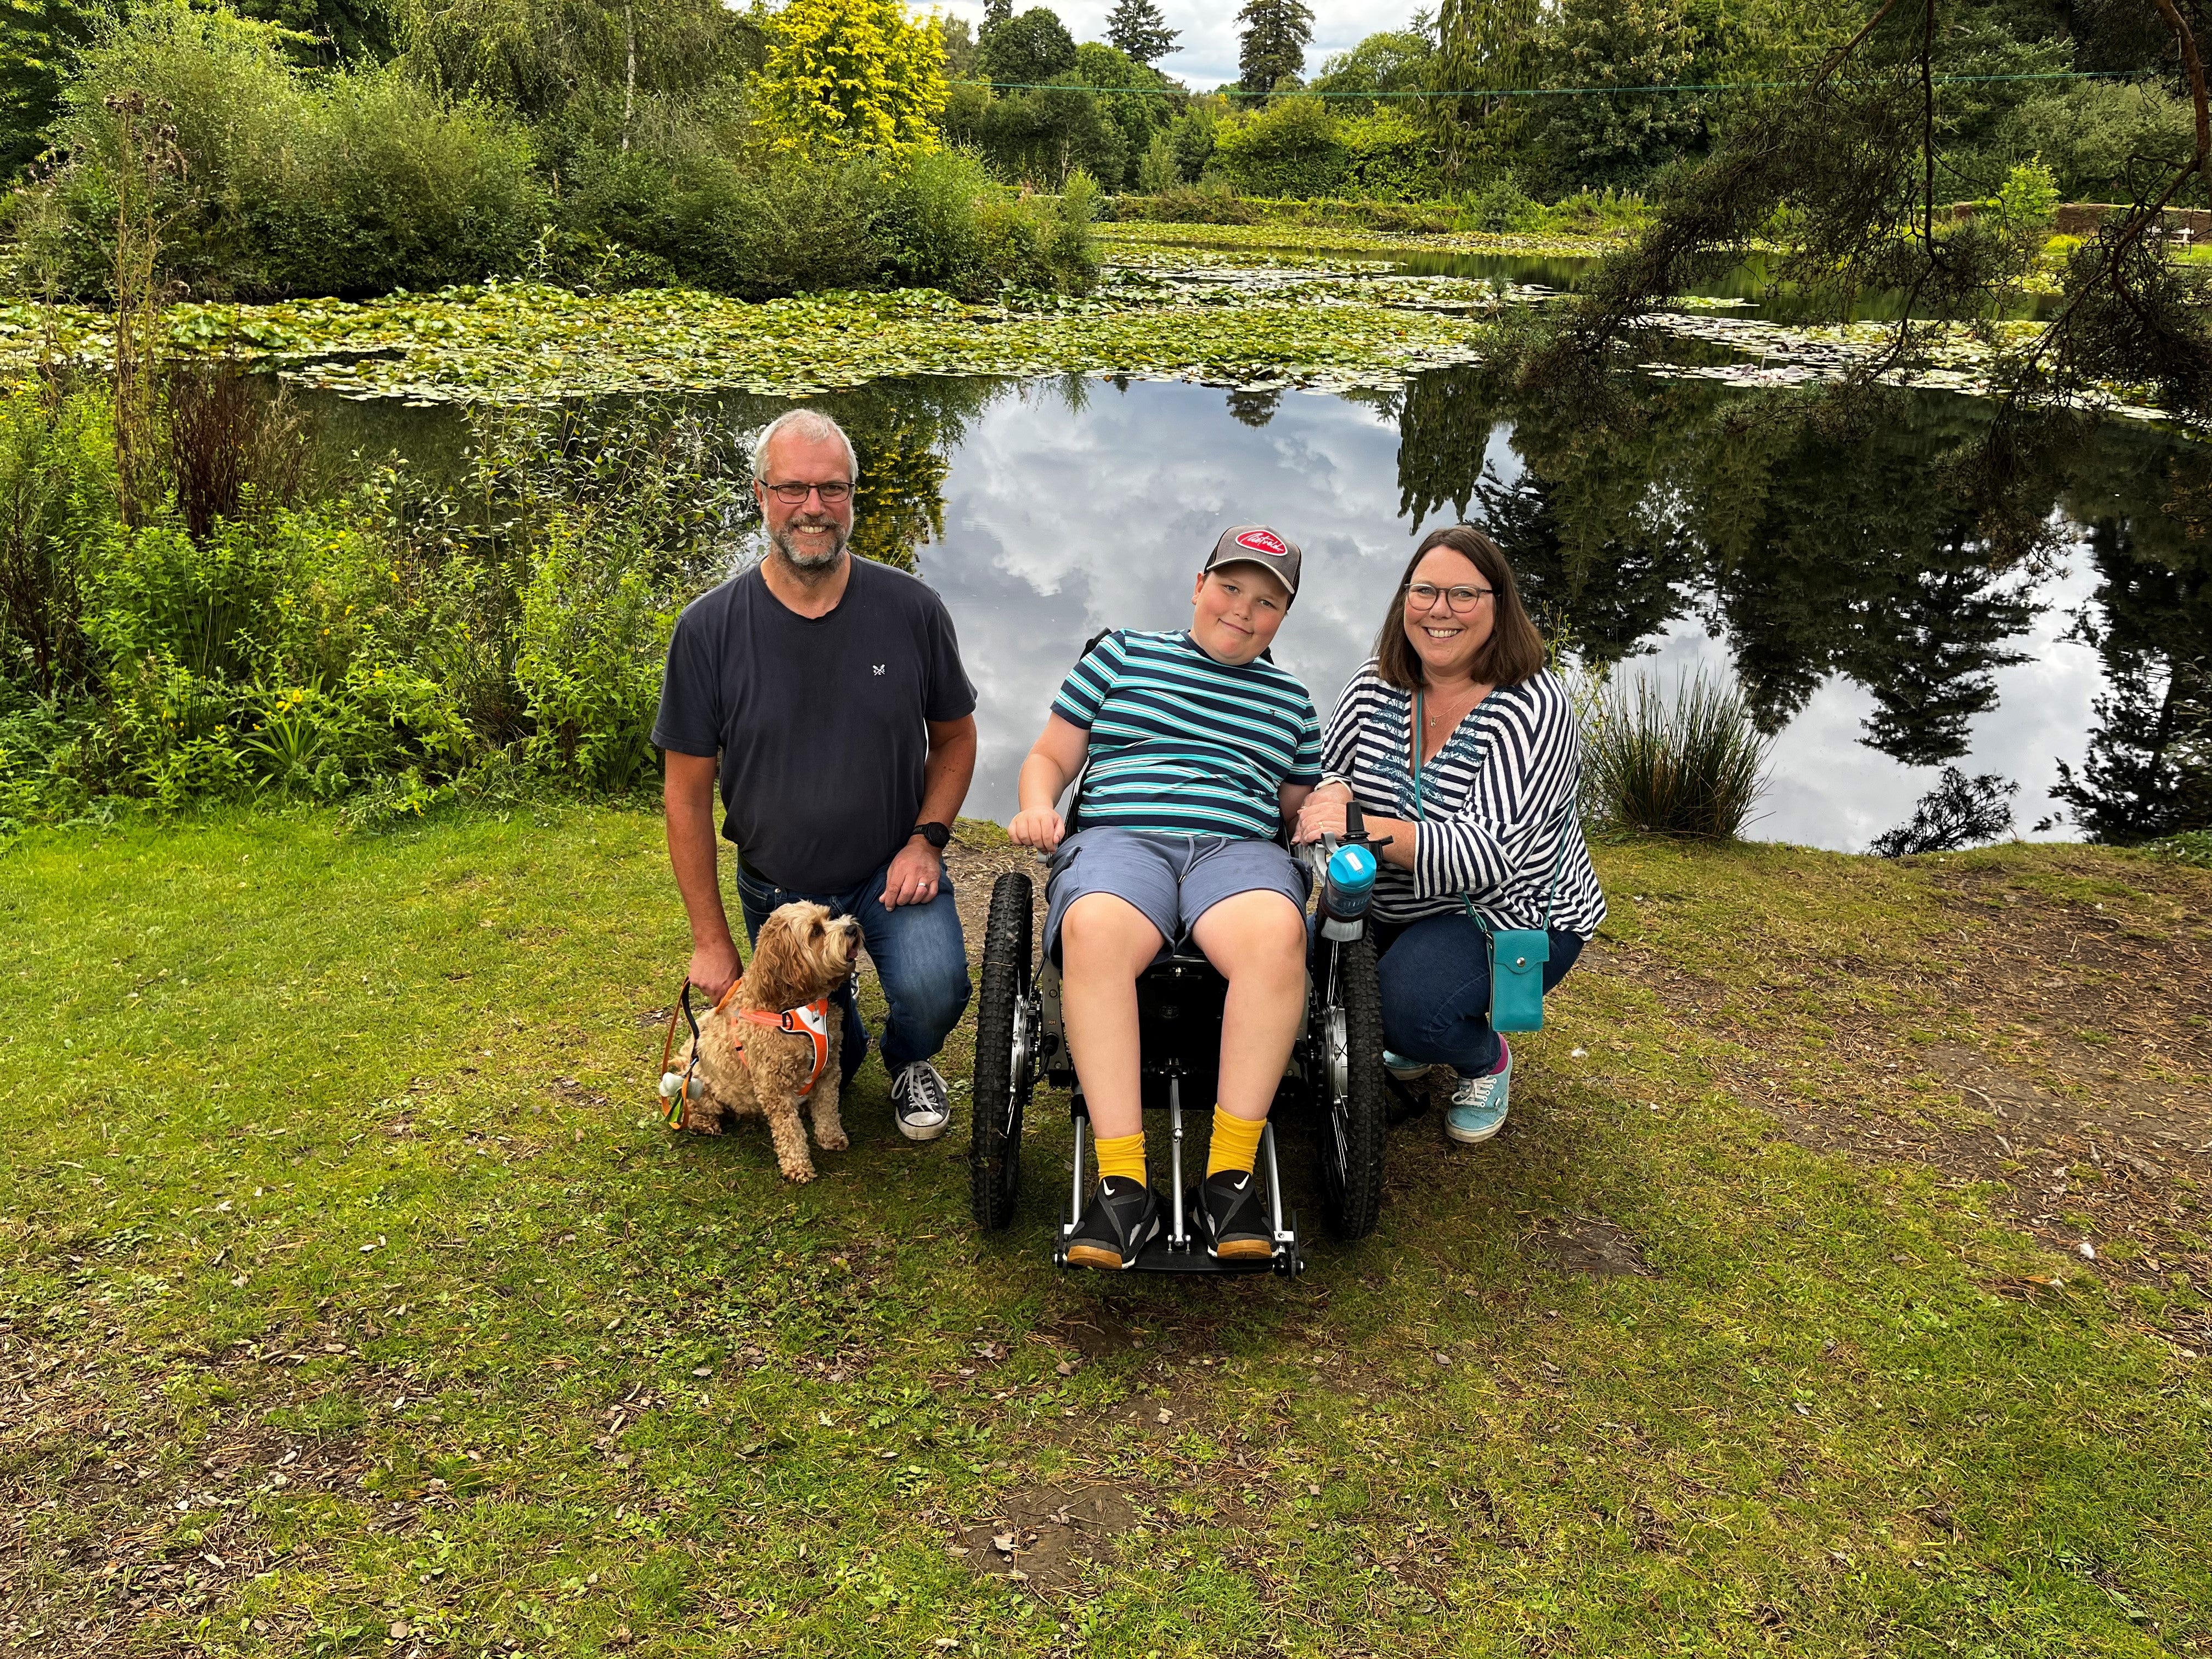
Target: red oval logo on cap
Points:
x,y
1264,541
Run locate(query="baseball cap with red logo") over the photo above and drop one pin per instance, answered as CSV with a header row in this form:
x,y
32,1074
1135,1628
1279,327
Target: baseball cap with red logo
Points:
x,y
1255,544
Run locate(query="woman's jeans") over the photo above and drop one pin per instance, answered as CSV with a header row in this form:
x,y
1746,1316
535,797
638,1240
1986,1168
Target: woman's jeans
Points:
x,y
920,957
1436,989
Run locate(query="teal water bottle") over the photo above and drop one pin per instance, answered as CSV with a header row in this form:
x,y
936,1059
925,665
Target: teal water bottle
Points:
x,y
1348,885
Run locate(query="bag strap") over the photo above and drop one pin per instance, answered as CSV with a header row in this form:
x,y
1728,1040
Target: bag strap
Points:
x,y
1558,819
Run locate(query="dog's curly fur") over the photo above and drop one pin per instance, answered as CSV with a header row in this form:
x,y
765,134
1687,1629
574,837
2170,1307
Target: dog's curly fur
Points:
x,y
749,1070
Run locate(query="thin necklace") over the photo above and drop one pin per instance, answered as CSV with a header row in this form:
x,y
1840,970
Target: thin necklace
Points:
x,y
1430,719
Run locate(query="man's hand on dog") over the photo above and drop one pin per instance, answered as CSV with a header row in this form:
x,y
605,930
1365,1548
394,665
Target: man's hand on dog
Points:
x,y
913,876
714,967
1039,827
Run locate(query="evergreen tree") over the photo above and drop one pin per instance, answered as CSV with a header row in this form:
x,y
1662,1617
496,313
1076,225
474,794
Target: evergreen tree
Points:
x,y
1033,50
1623,135
1138,29
1273,47
995,11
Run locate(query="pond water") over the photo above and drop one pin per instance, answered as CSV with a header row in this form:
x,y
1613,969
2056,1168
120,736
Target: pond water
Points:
x,y
1753,280
1836,568
1831,576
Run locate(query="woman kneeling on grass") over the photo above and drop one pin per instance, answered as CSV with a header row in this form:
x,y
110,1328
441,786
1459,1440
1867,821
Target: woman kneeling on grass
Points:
x,y
1200,753
1462,748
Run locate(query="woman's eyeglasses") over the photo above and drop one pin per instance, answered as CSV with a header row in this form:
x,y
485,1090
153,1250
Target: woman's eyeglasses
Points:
x,y
834,494
1423,596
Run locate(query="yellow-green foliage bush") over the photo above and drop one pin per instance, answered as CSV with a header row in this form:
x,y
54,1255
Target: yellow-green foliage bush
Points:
x,y
855,75
1388,155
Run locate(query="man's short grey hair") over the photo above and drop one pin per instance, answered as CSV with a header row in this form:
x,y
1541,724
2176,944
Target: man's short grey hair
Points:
x,y
807,423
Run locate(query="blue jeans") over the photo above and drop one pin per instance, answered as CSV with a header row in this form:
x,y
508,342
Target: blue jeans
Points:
x,y
1436,989
920,956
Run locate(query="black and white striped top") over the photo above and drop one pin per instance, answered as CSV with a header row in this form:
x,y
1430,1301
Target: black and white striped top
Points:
x,y
1490,815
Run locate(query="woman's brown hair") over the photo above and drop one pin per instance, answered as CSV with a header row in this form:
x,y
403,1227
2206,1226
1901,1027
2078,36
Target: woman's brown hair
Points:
x,y
1515,650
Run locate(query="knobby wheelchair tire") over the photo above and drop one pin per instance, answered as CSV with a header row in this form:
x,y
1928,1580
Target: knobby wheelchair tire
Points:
x,y
995,1148
1354,1127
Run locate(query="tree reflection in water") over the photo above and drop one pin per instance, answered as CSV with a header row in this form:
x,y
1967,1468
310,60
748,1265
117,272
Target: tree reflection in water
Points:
x,y
2148,768
1886,538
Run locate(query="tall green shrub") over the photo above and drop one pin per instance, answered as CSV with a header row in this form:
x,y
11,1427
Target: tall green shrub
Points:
x,y
757,224
350,183
2099,138
387,186
1291,148
1389,155
591,644
56,507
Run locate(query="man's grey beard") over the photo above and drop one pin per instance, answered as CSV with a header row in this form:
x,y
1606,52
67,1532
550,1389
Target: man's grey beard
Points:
x,y
780,540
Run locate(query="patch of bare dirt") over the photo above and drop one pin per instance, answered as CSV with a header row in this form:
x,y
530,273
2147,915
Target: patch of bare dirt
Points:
x,y
105,1525
1043,1538
1597,1249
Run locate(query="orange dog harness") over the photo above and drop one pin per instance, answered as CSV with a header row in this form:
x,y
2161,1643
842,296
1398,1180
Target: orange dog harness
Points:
x,y
811,1018
808,1019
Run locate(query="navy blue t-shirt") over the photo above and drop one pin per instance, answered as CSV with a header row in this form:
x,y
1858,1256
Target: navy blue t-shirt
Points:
x,y
819,721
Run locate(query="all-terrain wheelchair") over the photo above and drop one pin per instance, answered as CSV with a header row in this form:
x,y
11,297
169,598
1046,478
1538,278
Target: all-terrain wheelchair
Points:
x,y
1335,1075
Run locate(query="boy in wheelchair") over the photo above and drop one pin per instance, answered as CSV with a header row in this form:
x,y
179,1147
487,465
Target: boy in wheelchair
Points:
x,y
1194,753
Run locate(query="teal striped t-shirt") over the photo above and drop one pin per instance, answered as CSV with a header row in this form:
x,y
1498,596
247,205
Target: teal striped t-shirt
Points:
x,y
1182,743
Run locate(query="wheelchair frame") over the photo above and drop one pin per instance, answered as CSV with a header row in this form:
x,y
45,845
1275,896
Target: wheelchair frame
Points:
x,y
1335,1072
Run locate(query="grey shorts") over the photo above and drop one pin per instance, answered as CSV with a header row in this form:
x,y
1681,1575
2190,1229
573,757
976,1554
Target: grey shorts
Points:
x,y
1174,880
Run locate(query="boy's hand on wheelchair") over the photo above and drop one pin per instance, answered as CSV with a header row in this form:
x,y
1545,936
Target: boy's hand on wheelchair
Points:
x,y
1039,827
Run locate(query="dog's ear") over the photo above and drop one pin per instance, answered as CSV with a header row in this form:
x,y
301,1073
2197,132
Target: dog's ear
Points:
x,y
781,973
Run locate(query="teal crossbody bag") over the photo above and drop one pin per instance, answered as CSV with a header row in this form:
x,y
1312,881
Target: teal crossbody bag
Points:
x,y
1518,956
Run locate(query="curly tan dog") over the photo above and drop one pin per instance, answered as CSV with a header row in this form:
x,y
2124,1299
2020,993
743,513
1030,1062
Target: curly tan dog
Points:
x,y
752,1062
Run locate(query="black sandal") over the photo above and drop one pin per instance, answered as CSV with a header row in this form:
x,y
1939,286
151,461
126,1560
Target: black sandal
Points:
x,y
1122,1217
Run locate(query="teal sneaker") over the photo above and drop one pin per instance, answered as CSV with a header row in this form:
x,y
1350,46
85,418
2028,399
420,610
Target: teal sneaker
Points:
x,y
1478,1105
1405,1070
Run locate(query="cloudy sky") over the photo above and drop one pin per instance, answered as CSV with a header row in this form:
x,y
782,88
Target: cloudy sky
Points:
x,y
1208,47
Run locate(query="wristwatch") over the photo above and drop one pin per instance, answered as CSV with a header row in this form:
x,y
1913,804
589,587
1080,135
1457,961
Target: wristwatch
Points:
x,y
936,834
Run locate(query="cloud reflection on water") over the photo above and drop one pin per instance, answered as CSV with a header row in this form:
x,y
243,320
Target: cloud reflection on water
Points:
x,y
1065,515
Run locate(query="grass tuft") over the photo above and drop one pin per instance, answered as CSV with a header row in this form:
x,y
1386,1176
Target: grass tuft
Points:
x,y
1693,764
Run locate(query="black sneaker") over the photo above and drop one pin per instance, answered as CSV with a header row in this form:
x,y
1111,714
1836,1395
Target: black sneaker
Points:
x,y
1122,1217
920,1104
1229,1218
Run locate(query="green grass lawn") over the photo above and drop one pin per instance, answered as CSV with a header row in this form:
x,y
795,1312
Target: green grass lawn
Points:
x,y
353,1299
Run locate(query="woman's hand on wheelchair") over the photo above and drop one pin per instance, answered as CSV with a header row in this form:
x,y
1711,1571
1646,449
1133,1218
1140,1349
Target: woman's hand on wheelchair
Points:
x,y
1322,813
1039,827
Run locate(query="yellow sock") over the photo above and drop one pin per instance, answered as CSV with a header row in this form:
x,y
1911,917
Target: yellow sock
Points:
x,y
1236,1142
1122,1154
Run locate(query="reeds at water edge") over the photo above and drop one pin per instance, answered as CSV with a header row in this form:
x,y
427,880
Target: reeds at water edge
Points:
x,y
1688,762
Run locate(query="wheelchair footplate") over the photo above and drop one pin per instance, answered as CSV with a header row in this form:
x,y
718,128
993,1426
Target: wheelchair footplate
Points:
x,y
1180,1249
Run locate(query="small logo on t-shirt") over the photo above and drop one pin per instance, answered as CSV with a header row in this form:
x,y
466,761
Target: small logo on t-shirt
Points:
x,y
1264,541
881,666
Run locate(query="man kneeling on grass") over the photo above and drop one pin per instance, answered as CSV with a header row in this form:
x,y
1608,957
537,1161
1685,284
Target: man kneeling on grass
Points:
x,y
1198,752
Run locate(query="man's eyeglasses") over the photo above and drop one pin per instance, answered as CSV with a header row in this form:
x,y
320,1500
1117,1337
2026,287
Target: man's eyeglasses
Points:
x,y
835,493
1423,596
